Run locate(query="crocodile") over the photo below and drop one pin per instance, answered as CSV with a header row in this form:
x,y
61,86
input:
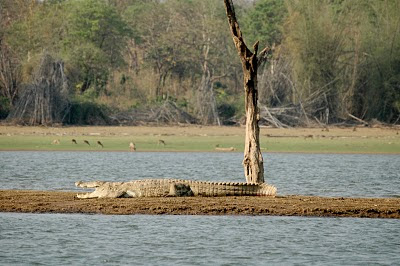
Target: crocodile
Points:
x,y
173,188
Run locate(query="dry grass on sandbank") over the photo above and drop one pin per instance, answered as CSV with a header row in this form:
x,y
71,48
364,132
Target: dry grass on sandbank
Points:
x,y
65,202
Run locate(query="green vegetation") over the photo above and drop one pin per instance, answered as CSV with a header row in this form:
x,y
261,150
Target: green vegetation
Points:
x,y
331,58
202,143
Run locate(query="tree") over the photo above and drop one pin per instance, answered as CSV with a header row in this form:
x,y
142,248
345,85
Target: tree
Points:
x,y
10,69
343,58
379,93
161,43
186,60
94,43
44,101
264,22
10,74
253,160
209,34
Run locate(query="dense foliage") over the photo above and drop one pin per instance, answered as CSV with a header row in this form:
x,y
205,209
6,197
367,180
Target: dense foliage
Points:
x,y
331,58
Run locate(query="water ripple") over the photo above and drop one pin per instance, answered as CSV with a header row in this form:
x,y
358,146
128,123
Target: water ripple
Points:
x,y
54,239
347,175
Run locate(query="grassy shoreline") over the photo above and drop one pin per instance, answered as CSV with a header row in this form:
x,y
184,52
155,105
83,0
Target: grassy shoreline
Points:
x,y
200,139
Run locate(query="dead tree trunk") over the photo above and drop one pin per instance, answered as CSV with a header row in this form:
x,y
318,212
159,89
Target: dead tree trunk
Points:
x,y
253,160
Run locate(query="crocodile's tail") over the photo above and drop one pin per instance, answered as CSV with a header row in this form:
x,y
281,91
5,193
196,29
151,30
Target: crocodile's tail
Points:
x,y
267,190
231,189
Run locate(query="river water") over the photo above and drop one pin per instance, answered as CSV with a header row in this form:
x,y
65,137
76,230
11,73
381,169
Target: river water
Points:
x,y
62,239
58,239
347,175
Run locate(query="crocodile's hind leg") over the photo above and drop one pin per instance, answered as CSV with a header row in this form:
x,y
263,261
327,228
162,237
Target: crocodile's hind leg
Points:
x,y
180,190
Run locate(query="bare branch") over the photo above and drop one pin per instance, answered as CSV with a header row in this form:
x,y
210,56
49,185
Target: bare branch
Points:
x,y
235,30
358,119
255,47
264,55
213,79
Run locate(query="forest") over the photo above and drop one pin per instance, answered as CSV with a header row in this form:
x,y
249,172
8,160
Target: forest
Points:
x,y
129,62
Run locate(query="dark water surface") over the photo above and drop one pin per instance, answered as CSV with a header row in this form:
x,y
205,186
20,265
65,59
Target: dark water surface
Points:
x,y
346,175
62,239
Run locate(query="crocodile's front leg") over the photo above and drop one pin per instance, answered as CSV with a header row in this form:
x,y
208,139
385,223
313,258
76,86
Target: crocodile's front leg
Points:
x,y
86,195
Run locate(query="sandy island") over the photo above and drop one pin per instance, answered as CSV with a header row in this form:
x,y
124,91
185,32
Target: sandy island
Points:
x,y
29,201
65,202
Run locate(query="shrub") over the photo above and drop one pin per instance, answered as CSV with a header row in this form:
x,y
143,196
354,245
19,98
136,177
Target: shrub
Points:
x,y
86,113
4,107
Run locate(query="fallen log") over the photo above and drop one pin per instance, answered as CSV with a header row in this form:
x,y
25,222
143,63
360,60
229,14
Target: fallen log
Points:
x,y
225,149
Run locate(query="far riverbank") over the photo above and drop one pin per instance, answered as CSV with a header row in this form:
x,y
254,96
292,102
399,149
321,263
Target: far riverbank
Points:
x,y
200,138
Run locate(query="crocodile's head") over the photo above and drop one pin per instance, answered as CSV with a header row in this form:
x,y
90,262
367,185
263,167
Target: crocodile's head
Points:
x,y
92,184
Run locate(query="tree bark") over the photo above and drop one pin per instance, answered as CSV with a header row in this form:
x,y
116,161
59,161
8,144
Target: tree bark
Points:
x,y
253,160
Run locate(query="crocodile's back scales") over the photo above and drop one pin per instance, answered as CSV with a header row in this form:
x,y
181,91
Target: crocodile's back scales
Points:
x,y
174,187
